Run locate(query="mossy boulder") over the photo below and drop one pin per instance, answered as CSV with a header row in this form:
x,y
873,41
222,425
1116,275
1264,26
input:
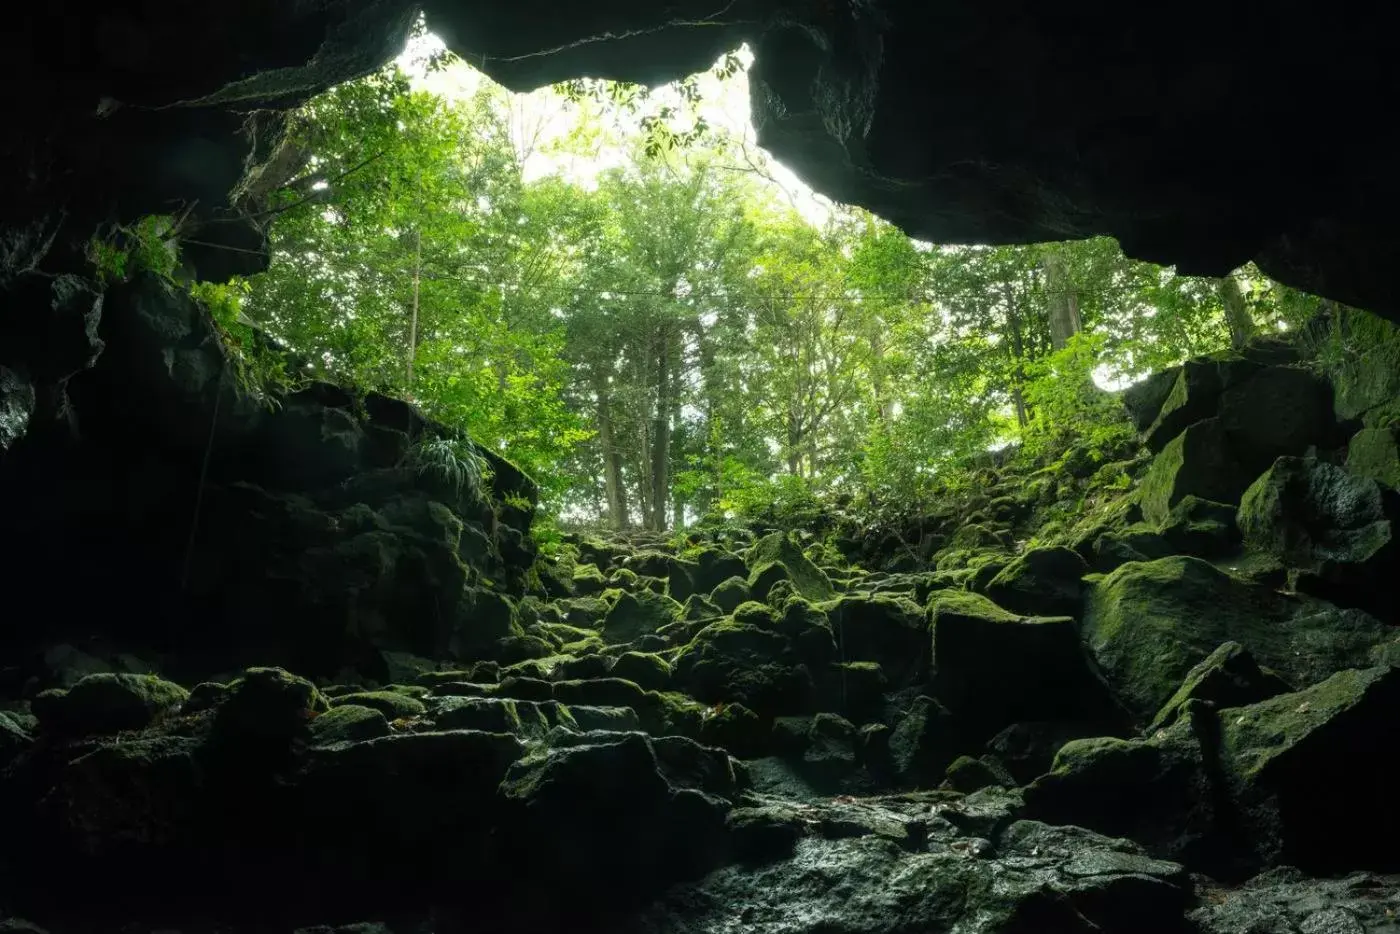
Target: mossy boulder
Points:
x,y
856,689
1369,382
1156,791
391,704
638,614
107,703
714,566
922,743
1200,527
700,607
1310,768
268,704
888,630
730,594
656,830
1042,582
1228,677
732,661
779,549
1197,462
1195,395
967,775
737,729
348,723
1336,529
1144,400
1111,550
1276,412
1374,453
647,669
1149,623
993,668
588,580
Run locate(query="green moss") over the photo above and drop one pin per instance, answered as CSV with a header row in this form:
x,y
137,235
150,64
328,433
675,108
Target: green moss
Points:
x,y
391,704
1375,453
639,614
268,703
1274,732
966,603
349,724
778,549
1196,462
647,669
107,703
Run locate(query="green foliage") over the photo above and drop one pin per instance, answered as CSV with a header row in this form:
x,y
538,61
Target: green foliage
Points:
x,y
148,245
669,339
1070,411
452,462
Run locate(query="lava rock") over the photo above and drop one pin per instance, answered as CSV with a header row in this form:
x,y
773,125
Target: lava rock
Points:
x,y
107,703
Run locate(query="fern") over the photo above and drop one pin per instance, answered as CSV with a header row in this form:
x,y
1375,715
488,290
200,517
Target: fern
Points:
x,y
451,462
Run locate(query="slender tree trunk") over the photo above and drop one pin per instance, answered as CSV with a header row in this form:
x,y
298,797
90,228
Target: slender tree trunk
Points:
x,y
1237,317
1062,298
413,317
1018,376
612,462
877,374
661,435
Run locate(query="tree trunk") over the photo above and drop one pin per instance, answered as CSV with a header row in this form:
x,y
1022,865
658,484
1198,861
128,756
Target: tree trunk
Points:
x,y
877,377
413,318
1018,375
1061,297
661,435
612,461
1237,317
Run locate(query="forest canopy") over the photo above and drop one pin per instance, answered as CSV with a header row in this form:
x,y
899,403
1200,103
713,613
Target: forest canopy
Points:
x,y
678,331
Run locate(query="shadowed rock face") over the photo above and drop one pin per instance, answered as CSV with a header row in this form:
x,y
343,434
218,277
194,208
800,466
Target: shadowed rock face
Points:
x,y
1203,134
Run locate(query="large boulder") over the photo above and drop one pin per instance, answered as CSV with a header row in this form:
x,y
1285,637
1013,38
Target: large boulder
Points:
x,y
888,630
1148,624
744,660
1042,582
993,668
1144,399
1374,453
1300,779
778,549
107,703
1337,530
1228,677
1197,462
882,867
657,809
1194,396
638,613
1276,412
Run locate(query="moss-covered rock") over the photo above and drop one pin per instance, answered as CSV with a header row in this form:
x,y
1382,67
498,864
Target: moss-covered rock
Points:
x,y
348,723
1144,399
1197,462
922,743
730,594
638,614
993,668
1135,543
1042,582
1200,527
588,580
1308,769
967,775
779,549
647,669
1228,677
888,630
701,607
1276,412
732,661
655,830
1195,395
1374,453
268,704
107,703
391,704
1367,383
1336,529
737,729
